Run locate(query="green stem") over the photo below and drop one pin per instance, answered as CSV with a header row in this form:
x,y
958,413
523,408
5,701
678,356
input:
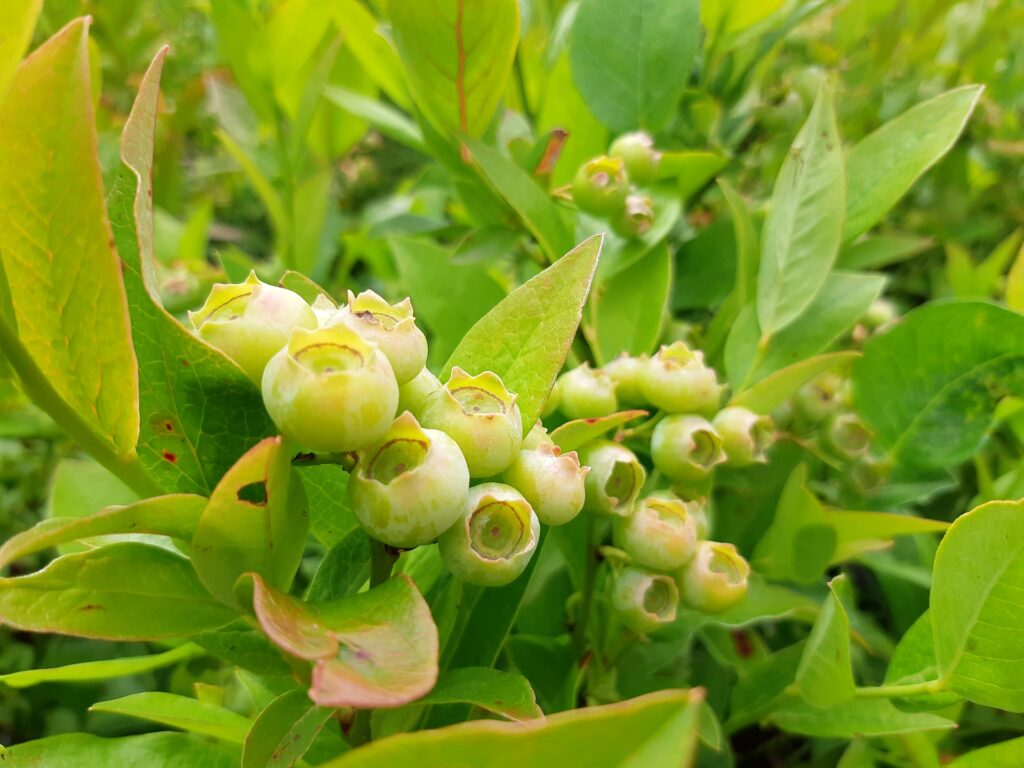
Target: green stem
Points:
x,y
579,632
899,691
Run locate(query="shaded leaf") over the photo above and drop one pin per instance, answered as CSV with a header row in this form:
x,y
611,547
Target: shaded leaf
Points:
x,y
882,251
343,570
857,717
913,661
245,647
179,712
88,671
858,532
83,750
283,731
774,389
825,675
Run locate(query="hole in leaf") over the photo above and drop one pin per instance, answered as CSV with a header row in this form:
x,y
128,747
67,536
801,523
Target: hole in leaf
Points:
x,y
253,493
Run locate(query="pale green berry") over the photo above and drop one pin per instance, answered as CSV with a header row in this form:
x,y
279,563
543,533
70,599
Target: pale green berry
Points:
x,y
392,327
626,371
553,482
715,579
251,321
639,156
677,380
600,186
698,509
615,479
481,416
414,394
660,533
635,217
686,448
586,392
410,486
745,435
818,399
537,437
880,315
330,390
644,600
493,540
846,435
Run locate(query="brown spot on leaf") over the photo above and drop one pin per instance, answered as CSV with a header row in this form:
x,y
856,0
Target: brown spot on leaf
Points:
x,y
171,457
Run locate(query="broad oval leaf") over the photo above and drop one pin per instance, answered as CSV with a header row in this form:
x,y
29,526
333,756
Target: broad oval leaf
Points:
x,y
574,434
124,591
283,731
83,750
179,712
256,521
804,226
913,661
372,649
88,671
928,387
977,606
457,55
1005,754
825,675
526,338
885,164
658,730
632,59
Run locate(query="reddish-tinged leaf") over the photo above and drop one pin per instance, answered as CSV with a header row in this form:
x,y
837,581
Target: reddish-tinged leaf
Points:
x,y
573,434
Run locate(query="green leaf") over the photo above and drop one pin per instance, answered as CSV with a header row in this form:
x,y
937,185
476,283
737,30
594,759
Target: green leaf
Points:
x,y
107,669
574,434
1005,754
857,717
175,516
390,122
858,532
534,207
17,20
760,687
632,59
774,389
913,661
343,570
283,731
304,286
256,521
64,324
179,712
83,750
886,163
882,251
692,169
526,338
373,649
371,49
448,298
457,55
804,226
977,606
245,647
124,591
928,387
629,310
825,675
655,731
200,412
326,487
763,602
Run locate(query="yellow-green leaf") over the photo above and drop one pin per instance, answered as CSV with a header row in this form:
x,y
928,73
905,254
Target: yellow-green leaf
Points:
x,y
17,20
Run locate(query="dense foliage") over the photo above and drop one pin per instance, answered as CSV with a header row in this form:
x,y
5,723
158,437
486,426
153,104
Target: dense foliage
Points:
x,y
697,441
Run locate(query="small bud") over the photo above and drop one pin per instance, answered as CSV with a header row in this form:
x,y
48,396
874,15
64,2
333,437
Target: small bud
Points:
x,y
846,435
660,534
481,416
715,579
816,400
635,217
645,601
639,156
414,394
676,380
251,321
552,481
626,371
745,435
615,478
330,390
586,392
410,486
686,448
390,326
880,315
495,538
601,186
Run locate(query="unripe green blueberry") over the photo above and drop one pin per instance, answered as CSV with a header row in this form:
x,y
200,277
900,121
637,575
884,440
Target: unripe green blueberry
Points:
x,y
639,156
600,186
414,394
715,579
659,534
481,416
635,218
745,435
494,539
645,601
626,371
251,321
553,482
537,437
880,315
410,486
819,398
586,392
676,380
392,327
686,448
698,509
615,479
846,435
330,390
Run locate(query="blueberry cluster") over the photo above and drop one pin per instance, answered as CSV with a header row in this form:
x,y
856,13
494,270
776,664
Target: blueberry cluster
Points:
x,y
609,186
